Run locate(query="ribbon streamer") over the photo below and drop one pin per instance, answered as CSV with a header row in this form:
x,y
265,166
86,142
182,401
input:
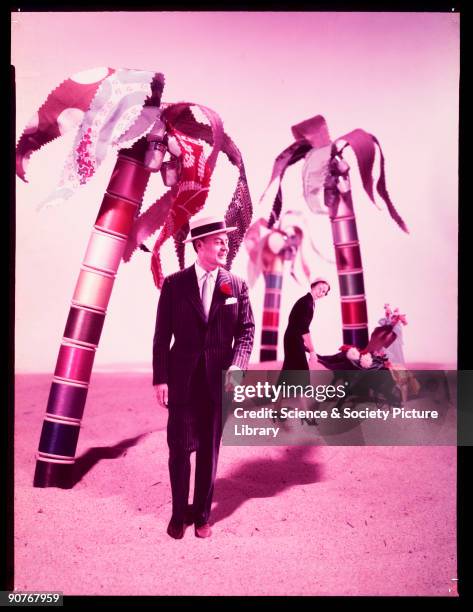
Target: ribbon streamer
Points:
x,y
118,106
175,213
63,110
240,209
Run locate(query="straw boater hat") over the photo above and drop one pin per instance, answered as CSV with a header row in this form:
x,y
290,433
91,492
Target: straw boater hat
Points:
x,y
206,226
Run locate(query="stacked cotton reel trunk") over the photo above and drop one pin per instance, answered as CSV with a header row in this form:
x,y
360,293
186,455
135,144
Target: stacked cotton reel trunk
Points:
x,y
348,259
273,277
61,426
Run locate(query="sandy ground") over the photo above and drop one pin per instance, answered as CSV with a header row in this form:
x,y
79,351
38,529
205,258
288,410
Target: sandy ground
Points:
x,y
318,520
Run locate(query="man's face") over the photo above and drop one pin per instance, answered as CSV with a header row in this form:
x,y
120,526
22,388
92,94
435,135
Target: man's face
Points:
x,y
212,251
319,290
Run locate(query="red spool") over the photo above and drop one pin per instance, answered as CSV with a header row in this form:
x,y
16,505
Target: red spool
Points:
x,y
348,257
116,215
270,318
354,312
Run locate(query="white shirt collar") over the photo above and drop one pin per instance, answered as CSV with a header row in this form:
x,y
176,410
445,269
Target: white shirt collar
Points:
x,y
200,272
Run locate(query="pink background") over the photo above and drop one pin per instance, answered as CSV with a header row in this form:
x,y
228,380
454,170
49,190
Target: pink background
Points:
x,y
394,75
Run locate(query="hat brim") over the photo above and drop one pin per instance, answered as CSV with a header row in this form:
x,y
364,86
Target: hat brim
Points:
x,y
218,231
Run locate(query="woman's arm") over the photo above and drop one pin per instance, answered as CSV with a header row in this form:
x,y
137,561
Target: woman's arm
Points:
x,y
309,345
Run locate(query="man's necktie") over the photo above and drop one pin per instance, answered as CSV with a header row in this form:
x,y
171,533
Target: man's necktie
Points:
x,y
207,294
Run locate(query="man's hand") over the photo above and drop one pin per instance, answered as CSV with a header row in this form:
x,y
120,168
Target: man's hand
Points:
x,y
162,394
233,377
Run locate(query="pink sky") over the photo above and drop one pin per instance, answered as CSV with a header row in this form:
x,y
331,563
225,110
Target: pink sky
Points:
x,y
394,75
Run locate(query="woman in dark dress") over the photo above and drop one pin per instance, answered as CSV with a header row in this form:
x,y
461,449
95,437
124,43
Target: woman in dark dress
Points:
x,y
297,338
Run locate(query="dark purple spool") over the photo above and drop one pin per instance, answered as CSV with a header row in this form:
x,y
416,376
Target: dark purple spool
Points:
x,y
270,337
59,439
48,474
268,354
352,284
67,400
273,281
272,300
356,337
84,325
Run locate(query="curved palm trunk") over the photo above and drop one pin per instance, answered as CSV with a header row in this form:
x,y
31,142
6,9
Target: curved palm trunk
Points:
x,y
65,408
272,303
348,256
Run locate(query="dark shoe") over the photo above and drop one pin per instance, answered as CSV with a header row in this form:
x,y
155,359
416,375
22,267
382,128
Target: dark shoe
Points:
x,y
203,531
176,530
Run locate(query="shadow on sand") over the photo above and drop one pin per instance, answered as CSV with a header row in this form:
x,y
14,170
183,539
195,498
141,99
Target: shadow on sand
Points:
x,y
264,478
92,456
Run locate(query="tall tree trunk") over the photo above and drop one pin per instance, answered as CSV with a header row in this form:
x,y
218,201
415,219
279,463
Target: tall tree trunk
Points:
x,y
348,255
65,408
272,302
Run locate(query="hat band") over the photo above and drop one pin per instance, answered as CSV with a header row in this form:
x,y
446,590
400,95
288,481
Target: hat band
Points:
x,y
209,227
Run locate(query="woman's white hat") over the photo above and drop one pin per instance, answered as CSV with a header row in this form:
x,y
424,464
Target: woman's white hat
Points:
x,y
206,226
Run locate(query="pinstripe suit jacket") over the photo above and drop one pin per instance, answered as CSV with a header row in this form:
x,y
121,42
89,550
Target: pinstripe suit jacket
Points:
x,y
225,339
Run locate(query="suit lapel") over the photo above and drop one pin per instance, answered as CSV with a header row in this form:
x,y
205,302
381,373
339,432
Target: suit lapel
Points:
x,y
218,298
192,292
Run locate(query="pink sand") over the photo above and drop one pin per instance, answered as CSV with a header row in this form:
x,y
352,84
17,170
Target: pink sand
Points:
x,y
287,520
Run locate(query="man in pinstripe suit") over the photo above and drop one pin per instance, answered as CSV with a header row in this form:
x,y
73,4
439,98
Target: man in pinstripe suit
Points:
x,y
207,311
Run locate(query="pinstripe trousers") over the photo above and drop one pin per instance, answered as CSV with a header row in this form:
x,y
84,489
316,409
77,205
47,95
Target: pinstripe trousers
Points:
x,y
209,432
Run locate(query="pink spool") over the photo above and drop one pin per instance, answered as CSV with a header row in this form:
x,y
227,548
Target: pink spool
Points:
x,y
344,230
93,289
116,215
74,362
345,209
104,252
129,179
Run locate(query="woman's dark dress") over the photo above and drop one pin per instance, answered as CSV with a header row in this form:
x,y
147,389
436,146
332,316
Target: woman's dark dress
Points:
x,y
294,350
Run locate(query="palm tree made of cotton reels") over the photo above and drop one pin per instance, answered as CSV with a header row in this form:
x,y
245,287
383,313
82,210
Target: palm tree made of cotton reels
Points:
x,y
269,248
120,109
325,172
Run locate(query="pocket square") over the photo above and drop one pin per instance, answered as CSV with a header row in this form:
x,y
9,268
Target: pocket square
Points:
x,y
230,300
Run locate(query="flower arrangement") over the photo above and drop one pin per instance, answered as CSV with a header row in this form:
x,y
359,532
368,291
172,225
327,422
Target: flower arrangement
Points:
x,y
226,289
353,353
365,359
393,317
